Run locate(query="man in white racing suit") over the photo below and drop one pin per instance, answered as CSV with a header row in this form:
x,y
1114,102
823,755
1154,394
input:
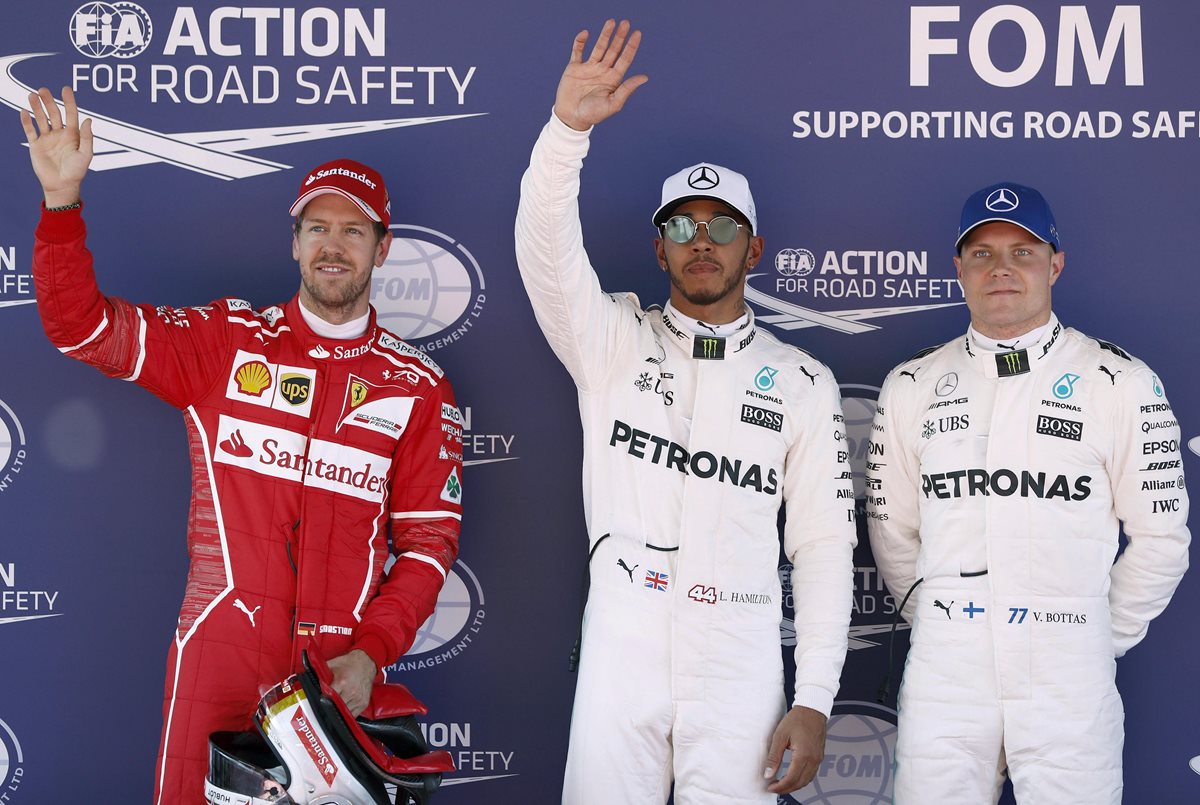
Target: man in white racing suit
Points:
x,y
697,427
1004,464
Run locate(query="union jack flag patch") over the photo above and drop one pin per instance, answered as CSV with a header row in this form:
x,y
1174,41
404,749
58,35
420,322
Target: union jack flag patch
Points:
x,y
656,580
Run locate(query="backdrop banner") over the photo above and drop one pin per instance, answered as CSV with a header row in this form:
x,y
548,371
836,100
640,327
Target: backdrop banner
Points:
x,y
862,127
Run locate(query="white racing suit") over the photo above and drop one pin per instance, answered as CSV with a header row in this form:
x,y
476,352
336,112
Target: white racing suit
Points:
x,y
691,445
1002,480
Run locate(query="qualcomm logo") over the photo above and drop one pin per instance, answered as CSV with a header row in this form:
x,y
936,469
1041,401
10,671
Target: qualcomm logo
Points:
x,y
455,621
220,154
429,290
860,743
12,762
880,278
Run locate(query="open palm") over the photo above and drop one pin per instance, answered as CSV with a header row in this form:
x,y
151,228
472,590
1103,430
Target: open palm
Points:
x,y
591,91
59,148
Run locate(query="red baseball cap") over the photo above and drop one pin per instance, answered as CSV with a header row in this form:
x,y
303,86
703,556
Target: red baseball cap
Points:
x,y
352,180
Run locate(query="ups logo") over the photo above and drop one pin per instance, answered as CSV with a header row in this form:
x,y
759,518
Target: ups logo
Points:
x,y
295,388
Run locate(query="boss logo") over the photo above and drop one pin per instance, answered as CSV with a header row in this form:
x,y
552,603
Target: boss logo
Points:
x,y
1060,428
771,420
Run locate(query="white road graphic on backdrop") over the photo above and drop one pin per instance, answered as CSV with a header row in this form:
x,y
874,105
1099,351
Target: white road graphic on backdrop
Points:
x,y
212,153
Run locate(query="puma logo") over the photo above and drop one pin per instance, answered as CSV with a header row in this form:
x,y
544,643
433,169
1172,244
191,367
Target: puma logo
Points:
x,y
628,569
237,602
1111,375
912,374
940,605
813,378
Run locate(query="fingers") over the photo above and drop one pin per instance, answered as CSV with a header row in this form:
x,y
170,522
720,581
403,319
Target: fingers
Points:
x,y
53,117
627,87
577,46
37,113
775,753
618,42
631,49
27,124
85,139
601,46
68,97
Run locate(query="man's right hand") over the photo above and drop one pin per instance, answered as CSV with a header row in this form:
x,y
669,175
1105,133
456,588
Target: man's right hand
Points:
x,y
60,152
594,90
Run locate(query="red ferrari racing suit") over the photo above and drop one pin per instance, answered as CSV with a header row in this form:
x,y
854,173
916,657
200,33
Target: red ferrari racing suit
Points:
x,y
305,453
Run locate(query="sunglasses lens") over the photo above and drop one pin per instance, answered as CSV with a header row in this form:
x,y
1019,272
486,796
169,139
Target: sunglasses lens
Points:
x,y
722,229
680,229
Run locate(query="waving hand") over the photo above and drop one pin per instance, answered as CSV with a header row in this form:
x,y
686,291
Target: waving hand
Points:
x,y
59,150
593,90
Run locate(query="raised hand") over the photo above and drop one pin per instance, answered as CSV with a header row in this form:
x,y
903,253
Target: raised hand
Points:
x,y
60,151
594,90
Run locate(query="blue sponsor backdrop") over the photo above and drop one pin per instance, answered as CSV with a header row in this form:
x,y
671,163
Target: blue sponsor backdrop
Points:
x,y
862,126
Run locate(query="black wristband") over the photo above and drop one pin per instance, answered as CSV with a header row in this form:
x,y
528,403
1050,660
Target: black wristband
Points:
x,y
64,207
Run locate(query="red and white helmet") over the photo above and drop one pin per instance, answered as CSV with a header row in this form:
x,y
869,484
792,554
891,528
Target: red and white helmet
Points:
x,y
309,750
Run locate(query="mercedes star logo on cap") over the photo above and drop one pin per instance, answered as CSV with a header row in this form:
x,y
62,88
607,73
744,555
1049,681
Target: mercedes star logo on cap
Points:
x,y
1002,200
703,178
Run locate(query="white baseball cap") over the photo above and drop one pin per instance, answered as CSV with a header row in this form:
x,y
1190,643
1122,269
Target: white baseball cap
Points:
x,y
707,180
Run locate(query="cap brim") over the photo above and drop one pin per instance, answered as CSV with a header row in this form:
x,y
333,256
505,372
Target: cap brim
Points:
x,y
977,224
300,202
664,212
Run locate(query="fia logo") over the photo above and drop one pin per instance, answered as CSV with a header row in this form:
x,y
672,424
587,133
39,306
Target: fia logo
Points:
x,y
121,30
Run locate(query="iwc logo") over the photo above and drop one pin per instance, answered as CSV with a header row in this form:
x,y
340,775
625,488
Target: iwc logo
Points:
x,y
12,763
455,622
12,447
860,743
429,290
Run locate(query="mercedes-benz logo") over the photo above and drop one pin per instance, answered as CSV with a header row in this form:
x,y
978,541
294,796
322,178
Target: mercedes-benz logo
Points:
x,y
703,178
1002,200
946,384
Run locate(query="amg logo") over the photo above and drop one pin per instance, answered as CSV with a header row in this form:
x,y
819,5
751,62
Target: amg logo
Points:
x,y
771,420
1060,428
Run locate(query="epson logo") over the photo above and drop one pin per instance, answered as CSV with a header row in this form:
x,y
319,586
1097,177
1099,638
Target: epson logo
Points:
x,y
1060,428
1026,484
1165,446
1074,27
771,420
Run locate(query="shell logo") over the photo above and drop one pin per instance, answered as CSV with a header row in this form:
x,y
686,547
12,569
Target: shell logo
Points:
x,y
252,378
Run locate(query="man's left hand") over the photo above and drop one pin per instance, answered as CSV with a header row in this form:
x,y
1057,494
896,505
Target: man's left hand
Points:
x,y
353,677
803,731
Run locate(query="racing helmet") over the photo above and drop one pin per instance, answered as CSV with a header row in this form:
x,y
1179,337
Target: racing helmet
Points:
x,y
309,750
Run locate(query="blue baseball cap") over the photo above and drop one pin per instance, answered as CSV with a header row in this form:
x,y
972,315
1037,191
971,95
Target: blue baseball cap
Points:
x,y
1011,203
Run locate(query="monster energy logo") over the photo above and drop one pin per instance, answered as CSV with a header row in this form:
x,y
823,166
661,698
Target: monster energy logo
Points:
x,y
1012,363
708,348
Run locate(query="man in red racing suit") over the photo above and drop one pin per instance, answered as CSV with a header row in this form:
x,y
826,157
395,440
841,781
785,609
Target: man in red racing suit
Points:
x,y
307,450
